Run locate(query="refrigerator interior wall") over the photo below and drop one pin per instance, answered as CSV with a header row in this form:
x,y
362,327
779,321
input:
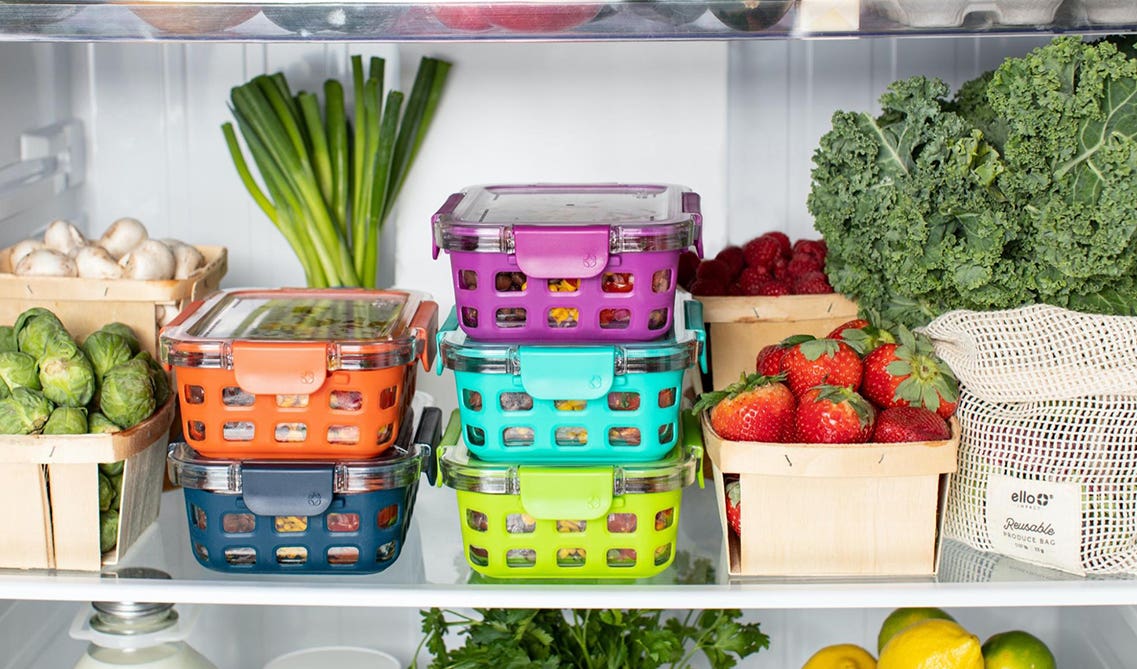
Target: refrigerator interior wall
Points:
x,y
246,637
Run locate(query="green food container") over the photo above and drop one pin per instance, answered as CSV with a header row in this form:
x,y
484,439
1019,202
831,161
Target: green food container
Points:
x,y
527,521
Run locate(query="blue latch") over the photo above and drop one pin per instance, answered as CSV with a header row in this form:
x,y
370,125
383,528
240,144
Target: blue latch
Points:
x,y
287,489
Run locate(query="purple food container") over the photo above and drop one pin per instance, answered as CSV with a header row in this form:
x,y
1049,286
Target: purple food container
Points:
x,y
567,262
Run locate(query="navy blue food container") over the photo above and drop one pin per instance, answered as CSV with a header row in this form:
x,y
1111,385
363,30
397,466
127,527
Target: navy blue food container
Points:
x,y
304,516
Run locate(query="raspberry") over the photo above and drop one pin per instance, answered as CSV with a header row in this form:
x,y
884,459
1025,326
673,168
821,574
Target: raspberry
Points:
x,y
734,259
774,287
783,242
751,278
802,263
780,268
814,247
812,283
707,287
761,251
714,270
688,263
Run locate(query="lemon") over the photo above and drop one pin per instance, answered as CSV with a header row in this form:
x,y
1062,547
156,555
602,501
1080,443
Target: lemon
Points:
x,y
932,644
843,656
901,618
1017,650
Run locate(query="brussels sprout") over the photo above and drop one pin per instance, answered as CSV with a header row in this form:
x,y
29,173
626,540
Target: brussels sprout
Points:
x,y
8,338
106,493
35,312
127,394
157,377
17,370
66,420
25,411
108,530
97,423
105,350
59,344
110,468
67,380
126,333
32,338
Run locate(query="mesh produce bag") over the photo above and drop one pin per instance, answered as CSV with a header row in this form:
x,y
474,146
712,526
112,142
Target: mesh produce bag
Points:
x,y
1048,448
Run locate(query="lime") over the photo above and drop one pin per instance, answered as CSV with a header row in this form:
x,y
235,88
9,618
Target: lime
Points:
x,y
841,656
901,618
932,644
1017,650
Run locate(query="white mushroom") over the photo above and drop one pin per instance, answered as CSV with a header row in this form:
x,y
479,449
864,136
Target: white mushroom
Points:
x,y
63,237
94,262
21,249
45,262
187,259
148,261
123,235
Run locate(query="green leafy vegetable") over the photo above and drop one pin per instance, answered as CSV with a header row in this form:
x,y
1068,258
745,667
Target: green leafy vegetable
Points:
x,y
33,330
124,331
127,394
589,639
1021,189
97,423
331,209
105,350
67,378
108,530
8,339
17,370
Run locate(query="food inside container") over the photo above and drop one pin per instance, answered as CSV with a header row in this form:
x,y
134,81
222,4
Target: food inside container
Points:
x,y
567,262
570,403
530,521
285,374
259,516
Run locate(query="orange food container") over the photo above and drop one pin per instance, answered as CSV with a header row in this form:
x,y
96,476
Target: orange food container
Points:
x,y
298,374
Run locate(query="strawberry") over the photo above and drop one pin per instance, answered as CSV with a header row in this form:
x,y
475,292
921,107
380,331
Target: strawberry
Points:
x,y
734,506
905,424
769,360
733,258
833,415
773,288
708,287
752,279
713,270
688,264
761,251
867,338
855,324
910,374
821,361
756,408
811,283
801,263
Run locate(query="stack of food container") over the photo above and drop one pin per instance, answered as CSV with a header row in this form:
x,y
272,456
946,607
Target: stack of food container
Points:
x,y
296,411
568,368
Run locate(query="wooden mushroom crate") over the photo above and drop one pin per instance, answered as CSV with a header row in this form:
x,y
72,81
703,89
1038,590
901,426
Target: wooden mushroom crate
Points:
x,y
85,305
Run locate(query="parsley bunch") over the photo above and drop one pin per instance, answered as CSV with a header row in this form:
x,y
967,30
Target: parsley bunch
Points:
x,y
588,639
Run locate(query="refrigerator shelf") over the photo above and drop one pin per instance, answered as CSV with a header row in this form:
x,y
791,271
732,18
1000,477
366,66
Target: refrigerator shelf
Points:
x,y
433,572
94,20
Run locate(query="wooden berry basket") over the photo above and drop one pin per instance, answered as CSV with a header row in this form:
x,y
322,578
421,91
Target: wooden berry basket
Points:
x,y
834,510
51,488
738,327
85,305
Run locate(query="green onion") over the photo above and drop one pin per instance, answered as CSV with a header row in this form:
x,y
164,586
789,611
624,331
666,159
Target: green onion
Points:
x,y
327,184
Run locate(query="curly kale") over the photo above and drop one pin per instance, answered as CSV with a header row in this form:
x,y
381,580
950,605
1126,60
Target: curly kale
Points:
x,y
1021,189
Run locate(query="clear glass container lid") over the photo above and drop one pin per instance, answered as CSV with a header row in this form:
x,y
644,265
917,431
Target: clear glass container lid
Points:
x,y
461,471
356,329
633,217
